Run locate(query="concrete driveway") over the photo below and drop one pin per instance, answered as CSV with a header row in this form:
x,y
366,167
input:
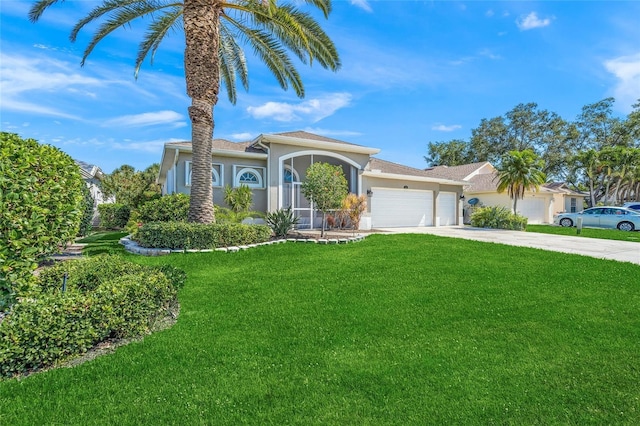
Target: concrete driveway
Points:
x,y
622,251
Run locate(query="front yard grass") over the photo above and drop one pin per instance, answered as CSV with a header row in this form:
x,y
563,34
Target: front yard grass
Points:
x,y
402,329
103,242
603,234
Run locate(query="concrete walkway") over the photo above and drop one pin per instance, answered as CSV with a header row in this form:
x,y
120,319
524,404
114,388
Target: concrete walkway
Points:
x,y
622,251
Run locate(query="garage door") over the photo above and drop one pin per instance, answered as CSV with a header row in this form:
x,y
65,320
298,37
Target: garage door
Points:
x,y
532,208
446,209
392,208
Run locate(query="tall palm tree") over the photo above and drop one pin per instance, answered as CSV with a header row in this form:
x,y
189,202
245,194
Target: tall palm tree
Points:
x,y
213,32
518,172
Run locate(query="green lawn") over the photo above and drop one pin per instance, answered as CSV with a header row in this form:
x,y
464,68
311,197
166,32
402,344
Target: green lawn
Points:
x,y
603,234
105,242
402,329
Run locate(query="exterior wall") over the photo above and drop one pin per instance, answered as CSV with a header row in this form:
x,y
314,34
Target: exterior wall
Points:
x,y
566,203
302,163
227,163
496,199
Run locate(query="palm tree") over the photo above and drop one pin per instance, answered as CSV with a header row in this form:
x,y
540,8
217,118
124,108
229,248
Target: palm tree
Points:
x,y
589,162
518,172
213,30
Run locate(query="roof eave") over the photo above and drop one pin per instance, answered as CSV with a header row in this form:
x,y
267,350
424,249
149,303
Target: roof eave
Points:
x,y
395,176
309,143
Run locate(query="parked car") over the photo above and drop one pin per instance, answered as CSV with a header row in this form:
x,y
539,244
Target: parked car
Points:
x,y
633,205
602,217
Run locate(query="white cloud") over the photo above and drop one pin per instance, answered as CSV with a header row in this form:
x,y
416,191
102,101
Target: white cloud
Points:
x,y
362,4
312,109
489,13
445,128
152,147
147,119
532,21
332,133
245,136
627,71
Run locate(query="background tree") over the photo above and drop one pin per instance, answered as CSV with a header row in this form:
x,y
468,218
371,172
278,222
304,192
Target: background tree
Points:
x,y
325,186
520,171
40,208
130,187
589,165
212,30
453,153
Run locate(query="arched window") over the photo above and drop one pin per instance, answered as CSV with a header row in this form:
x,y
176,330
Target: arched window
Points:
x,y
289,175
249,177
215,176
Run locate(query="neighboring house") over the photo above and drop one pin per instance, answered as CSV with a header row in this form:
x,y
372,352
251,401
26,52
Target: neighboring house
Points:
x,y
92,175
274,166
538,206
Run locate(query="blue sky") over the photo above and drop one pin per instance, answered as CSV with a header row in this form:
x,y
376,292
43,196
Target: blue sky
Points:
x,y
413,72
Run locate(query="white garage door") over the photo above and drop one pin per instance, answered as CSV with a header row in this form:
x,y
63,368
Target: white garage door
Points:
x,y
392,208
532,208
446,209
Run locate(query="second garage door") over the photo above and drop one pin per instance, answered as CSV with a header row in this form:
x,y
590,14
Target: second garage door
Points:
x,y
446,209
532,208
401,207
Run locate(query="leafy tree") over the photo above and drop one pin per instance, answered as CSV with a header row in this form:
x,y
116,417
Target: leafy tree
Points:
x,y
453,153
520,171
597,128
40,208
325,186
525,127
588,163
130,187
213,30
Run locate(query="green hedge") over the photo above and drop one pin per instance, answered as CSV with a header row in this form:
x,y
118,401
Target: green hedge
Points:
x,y
114,216
106,296
498,217
40,208
183,235
169,208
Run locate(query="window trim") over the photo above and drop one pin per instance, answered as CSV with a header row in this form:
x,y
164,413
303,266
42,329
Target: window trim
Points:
x,y
259,172
215,175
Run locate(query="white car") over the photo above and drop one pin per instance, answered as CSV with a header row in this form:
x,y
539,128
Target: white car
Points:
x,y
602,217
633,205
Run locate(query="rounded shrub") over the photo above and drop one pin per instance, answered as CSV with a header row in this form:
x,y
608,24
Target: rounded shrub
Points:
x,y
40,208
498,217
169,208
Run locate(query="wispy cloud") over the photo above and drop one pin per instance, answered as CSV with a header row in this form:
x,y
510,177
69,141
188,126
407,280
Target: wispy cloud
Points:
x,y
313,109
627,71
445,128
243,136
152,147
22,77
332,133
167,117
362,4
532,21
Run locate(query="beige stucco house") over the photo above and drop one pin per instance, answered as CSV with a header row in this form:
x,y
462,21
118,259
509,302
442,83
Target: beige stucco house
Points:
x,y
482,185
274,166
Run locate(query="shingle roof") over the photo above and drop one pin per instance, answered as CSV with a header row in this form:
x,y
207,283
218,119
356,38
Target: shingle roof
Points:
x,y
301,134
223,145
455,172
394,168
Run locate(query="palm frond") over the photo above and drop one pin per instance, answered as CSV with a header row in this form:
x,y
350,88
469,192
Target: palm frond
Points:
x,y
156,33
232,63
39,7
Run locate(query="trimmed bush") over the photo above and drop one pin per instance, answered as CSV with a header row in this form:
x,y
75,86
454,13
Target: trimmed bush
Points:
x,y
40,208
183,235
169,208
106,297
114,216
498,217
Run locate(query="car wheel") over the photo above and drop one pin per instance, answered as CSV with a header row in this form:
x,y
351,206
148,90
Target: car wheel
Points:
x,y
566,222
626,226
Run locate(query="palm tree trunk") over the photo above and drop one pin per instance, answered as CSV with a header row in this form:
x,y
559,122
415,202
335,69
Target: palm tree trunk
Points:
x,y
201,65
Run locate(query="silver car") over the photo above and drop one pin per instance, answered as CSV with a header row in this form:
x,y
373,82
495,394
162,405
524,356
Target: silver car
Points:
x,y
602,217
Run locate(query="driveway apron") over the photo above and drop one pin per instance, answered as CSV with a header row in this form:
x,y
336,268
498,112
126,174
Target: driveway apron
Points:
x,y
622,251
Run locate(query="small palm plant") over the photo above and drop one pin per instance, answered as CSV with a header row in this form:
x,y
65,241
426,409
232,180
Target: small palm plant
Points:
x,y
282,221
